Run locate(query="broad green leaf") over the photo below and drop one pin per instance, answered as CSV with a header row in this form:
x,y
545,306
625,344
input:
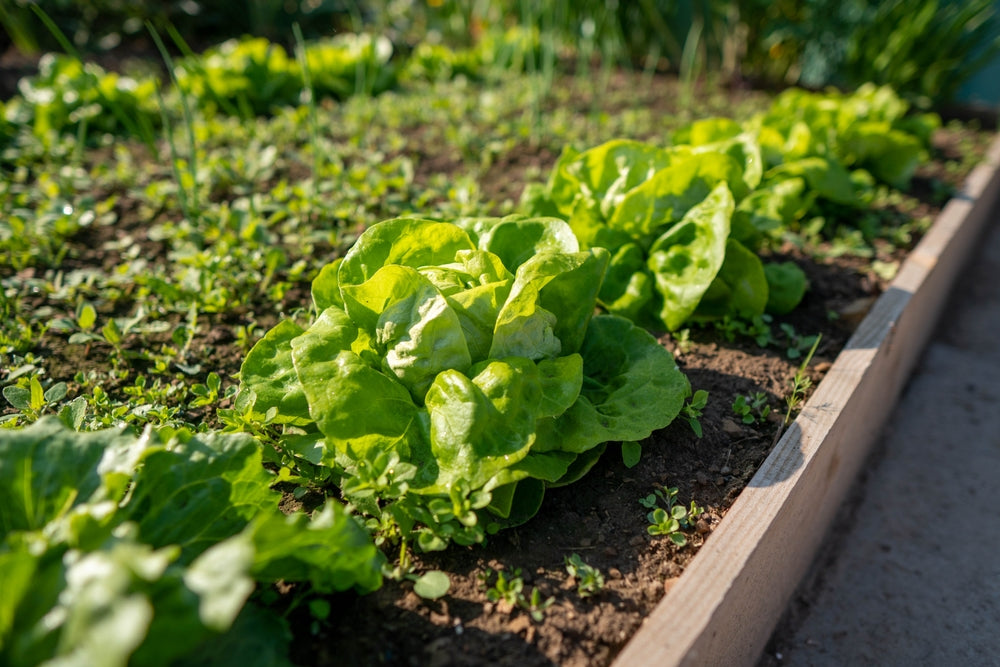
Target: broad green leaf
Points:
x,y
706,131
604,174
787,284
520,502
330,550
515,241
408,242
481,425
87,317
769,208
550,303
268,372
17,578
326,287
560,380
19,397
432,585
828,178
631,453
666,198
46,470
351,402
199,492
686,259
891,155
478,305
591,228
412,322
625,371
627,288
740,287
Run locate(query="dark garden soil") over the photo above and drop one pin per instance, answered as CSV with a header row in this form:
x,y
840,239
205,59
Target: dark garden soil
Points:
x,y
599,517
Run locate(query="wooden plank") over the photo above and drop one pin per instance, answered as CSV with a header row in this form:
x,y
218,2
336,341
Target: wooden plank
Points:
x,y
725,606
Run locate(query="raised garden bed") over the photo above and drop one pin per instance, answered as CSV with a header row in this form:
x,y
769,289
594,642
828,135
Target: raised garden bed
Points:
x,y
386,155
730,597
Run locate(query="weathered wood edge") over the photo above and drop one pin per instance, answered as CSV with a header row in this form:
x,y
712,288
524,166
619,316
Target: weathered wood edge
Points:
x,y
725,606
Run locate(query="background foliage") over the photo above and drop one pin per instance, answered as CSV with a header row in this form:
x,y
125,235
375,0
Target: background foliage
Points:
x,y
925,49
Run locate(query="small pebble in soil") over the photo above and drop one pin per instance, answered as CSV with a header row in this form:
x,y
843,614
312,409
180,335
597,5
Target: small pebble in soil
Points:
x,y
725,470
614,573
731,427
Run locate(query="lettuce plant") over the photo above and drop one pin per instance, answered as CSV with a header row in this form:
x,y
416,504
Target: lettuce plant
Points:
x,y
67,95
666,216
252,76
453,371
117,549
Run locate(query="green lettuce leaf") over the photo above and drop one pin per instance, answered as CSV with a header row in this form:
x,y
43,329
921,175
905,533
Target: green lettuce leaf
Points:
x,y
686,259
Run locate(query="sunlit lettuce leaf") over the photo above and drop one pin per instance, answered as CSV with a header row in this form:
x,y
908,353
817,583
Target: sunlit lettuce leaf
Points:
x,y
891,155
686,259
663,200
628,287
740,288
329,549
351,402
604,174
408,242
326,287
827,178
412,323
267,371
624,369
199,491
550,303
46,470
515,241
482,424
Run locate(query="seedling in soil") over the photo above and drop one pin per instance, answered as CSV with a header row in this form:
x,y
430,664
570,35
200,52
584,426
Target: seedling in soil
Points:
x,y
670,518
509,593
693,409
589,580
32,400
800,385
752,408
797,344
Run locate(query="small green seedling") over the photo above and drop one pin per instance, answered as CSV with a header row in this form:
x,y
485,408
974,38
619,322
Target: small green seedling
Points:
x,y
693,409
797,344
751,408
670,518
589,580
510,593
800,384
32,400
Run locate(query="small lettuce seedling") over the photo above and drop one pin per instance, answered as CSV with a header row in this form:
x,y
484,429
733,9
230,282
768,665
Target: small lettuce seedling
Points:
x,y
671,518
693,408
751,408
589,580
510,593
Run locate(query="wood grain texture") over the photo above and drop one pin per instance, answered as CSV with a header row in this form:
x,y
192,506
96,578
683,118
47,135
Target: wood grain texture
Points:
x,y
725,606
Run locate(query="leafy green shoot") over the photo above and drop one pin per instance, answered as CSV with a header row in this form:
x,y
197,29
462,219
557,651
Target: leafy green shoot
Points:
x,y
589,580
691,412
669,518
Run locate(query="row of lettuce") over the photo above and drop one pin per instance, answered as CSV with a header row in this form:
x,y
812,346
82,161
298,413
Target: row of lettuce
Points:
x,y
243,77
447,374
